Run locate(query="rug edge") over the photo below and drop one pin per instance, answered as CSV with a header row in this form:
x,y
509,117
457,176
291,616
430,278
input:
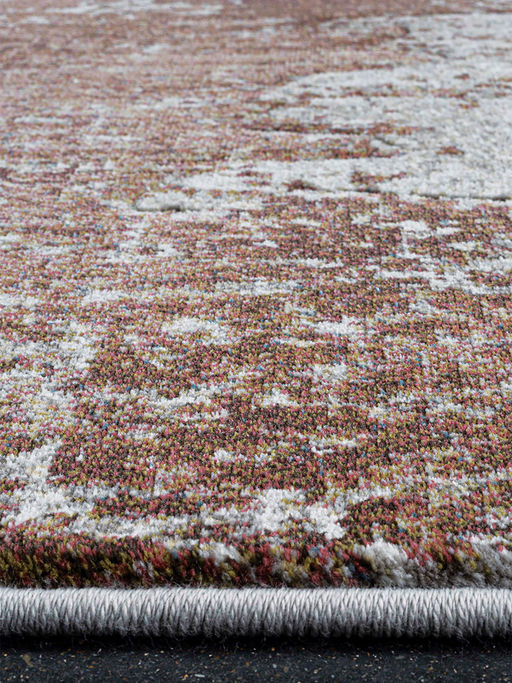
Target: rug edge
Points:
x,y
180,612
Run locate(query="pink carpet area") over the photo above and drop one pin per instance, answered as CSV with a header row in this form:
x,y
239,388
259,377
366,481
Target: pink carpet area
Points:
x,y
255,294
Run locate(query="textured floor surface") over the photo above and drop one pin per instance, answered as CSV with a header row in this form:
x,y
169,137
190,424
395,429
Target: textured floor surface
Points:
x,y
255,293
293,662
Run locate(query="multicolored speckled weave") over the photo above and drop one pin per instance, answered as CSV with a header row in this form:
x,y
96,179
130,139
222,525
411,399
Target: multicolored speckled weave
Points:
x,y
255,293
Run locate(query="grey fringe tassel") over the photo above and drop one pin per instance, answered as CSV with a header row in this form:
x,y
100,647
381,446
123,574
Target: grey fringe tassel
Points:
x,y
218,612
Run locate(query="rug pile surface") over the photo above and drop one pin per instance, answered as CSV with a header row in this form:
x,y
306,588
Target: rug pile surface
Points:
x,y
255,294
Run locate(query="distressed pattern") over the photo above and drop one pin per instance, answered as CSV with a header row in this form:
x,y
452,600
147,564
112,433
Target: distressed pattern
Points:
x,y
255,293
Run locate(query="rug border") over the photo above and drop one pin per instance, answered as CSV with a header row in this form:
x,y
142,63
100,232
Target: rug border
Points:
x,y
179,612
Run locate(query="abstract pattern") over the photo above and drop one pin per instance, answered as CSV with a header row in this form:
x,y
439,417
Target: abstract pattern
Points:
x,y
255,293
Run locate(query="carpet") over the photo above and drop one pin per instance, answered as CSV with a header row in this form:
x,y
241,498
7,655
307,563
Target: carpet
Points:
x,y
255,315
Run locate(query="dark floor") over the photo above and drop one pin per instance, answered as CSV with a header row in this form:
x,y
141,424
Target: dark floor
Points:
x,y
254,660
